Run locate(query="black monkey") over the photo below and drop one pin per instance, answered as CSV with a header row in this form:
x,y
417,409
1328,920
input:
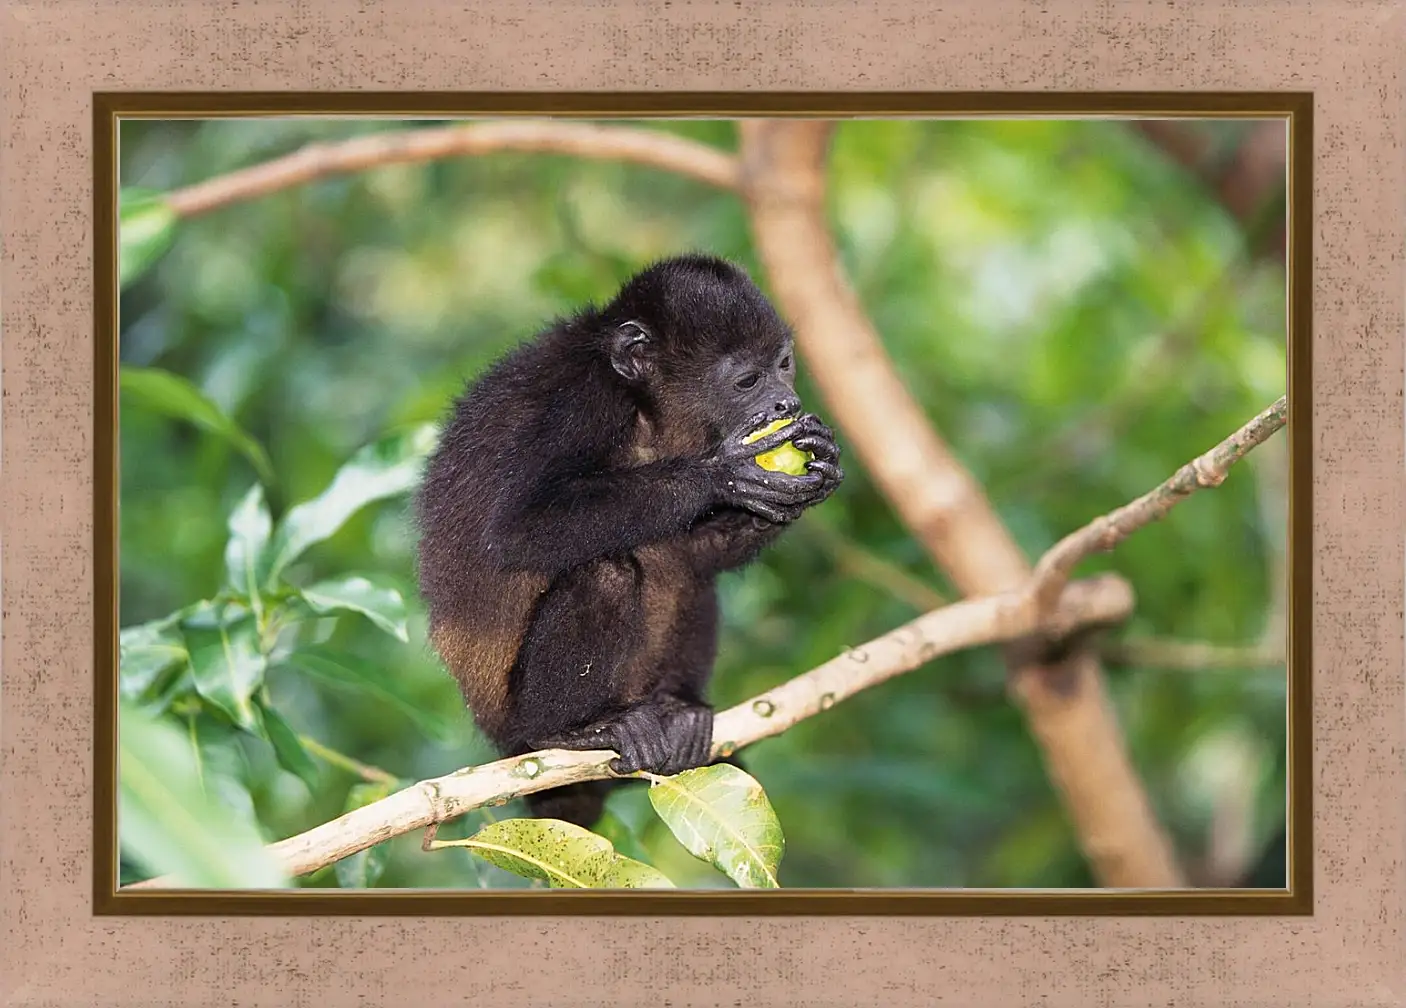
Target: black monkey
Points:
x,y
586,493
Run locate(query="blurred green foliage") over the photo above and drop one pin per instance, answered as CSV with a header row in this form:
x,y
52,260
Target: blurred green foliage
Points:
x,y
1075,314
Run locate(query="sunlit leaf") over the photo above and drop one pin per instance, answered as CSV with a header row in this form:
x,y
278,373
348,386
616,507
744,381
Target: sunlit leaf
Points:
x,y
286,747
362,869
145,229
147,650
721,815
228,666
347,670
174,396
168,824
563,855
250,525
383,606
385,468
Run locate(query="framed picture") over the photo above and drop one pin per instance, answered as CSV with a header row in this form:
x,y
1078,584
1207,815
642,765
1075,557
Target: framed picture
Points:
x,y
540,338
739,518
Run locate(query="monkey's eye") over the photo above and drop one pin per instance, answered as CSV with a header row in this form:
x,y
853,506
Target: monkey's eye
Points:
x,y
748,382
786,363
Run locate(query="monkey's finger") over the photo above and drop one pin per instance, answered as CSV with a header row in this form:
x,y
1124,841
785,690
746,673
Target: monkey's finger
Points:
x,y
811,425
774,440
828,470
819,446
797,490
767,511
701,725
593,737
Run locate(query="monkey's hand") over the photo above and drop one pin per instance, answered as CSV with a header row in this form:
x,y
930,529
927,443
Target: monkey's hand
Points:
x,y
659,736
776,496
819,440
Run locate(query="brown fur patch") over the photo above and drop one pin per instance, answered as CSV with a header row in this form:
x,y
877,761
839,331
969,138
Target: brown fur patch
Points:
x,y
666,577
480,648
642,448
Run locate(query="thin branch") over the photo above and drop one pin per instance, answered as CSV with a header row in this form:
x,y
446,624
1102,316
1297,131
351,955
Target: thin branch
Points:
x,y
1105,599
1103,533
873,569
368,773
586,140
1191,656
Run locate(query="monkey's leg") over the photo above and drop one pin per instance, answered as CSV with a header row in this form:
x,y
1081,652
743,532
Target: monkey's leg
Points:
x,y
574,681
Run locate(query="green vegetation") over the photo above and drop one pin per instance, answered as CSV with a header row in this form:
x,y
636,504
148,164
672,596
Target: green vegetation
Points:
x,y
1076,315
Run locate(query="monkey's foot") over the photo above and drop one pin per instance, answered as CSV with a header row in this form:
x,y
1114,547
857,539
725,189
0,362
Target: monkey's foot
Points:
x,y
660,738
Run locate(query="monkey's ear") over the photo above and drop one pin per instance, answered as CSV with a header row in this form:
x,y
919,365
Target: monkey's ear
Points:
x,y
629,354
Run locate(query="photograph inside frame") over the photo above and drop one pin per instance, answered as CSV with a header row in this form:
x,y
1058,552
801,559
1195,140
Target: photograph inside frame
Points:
x,y
702,504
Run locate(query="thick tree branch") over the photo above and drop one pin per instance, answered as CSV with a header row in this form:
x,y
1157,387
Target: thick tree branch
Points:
x,y
784,182
1243,183
587,140
1105,599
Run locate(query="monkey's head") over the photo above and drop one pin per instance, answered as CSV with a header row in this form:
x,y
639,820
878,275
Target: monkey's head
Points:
x,y
702,347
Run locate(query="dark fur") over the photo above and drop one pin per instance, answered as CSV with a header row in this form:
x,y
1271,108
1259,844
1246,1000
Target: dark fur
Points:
x,y
586,492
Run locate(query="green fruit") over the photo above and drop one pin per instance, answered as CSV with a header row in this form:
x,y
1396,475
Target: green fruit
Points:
x,y
787,458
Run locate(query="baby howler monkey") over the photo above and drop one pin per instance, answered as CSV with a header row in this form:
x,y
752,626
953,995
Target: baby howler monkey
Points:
x,y
586,492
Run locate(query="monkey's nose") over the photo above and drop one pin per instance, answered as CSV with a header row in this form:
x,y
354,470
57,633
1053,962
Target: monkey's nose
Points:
x,y
787,405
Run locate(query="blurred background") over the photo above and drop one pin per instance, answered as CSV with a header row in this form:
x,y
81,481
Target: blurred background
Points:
x,y
1078,313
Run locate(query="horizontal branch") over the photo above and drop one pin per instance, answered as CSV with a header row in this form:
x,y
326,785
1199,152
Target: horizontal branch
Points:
x,y
1101,600
1192,656
586,140
1107,531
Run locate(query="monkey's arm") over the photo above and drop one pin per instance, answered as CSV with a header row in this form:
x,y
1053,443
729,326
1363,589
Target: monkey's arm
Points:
x,y
567,518
566,522
728,539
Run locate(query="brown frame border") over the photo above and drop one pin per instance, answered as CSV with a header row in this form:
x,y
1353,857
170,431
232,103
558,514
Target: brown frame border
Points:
x,y
1293,106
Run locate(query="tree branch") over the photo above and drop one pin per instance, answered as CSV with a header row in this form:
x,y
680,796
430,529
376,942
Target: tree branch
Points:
x,y
1102,534
1097,601
781,175
1104,599
587,140
783,165
1243,183
1191,656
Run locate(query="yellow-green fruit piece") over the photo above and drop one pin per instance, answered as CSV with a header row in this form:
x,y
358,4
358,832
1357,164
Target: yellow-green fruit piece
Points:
x,y
787,458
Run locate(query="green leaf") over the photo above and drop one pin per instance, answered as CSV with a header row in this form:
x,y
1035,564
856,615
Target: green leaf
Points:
x,y
250,526
286,746
383,606
362,869
563,855
721,815
343,669
228,667
147,650
385,468
176,397
146,227
168,824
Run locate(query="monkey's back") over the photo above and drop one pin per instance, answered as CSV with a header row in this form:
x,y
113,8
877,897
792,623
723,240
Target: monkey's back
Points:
x,y
495,448
478,607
